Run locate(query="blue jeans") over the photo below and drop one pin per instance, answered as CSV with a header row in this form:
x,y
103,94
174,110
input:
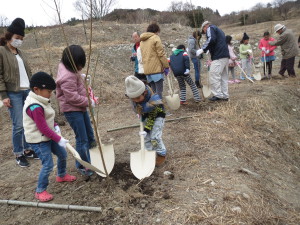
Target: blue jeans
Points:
x,y
84,134
197,67
44,150
17,100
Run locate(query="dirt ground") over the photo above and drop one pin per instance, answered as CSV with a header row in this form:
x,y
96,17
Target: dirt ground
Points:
x,y
234,162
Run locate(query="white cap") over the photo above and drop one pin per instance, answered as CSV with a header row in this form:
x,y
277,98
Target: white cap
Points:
x,y
134,87
277,27
204,24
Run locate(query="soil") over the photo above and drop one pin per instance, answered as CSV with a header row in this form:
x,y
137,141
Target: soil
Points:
x,y
234,162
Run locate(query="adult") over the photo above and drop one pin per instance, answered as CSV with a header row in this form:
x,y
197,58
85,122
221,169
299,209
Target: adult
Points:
x,y
155,62
289,49
218,72
136,40
193,46
15,74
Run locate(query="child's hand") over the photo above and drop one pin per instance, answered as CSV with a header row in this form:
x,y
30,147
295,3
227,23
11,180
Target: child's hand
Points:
x,y
187,71
267,51
63,142
199,52
57,129
263,49
166,71
143,133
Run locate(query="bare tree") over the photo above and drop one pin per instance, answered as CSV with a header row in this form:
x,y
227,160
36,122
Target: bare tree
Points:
x,y
283,8
100,7
3,21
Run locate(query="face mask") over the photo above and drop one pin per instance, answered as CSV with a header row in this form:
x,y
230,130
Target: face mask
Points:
x,y
16,43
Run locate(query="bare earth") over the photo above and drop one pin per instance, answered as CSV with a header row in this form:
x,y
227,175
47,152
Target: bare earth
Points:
x,y
233,162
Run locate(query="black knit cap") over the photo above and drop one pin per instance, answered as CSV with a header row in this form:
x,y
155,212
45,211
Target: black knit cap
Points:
x,y
245,37
17,27
42,80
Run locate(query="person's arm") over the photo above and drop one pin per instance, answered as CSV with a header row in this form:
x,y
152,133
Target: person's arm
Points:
x,y
161,53
272,47
282,39
242,50
211,39
36,113
3,93
260,46
191,46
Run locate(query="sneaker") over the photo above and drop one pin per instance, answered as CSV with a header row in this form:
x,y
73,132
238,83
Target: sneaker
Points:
x,y
160,160
214,98
198,84
183,102
85,172
22,161
43,196
237,81
30,154
242,78
231,82
66,178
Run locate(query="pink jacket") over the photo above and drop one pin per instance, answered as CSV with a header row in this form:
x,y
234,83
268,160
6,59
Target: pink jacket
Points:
x,y
231,54
70,91
265,43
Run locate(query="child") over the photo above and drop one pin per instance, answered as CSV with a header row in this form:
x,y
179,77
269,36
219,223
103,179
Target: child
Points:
x,y
150,107
232,59
180,65
267,53
39,127
73,100
246,56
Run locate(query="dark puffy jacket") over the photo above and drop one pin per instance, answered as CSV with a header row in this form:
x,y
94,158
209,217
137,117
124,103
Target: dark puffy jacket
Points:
x,y
179,63
216,43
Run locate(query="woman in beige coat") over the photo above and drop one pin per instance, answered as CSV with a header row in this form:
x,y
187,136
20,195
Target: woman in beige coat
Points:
x,y
154,59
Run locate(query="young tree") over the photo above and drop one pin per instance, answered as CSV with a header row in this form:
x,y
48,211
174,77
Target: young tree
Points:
x,y
100,7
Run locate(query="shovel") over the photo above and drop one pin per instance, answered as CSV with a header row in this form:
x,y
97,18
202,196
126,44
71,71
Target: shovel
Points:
x,y
244,72
206,88
108,157
257,74
173,100
142,162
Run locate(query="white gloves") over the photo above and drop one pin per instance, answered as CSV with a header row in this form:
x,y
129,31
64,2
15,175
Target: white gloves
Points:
x,y
143,133
249,51
93,104
263,49
199,52
88,77
63,142
57,129
187,71
267,51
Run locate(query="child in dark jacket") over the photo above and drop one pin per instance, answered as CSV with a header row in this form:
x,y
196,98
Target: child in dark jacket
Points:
x,y
180,65
150,107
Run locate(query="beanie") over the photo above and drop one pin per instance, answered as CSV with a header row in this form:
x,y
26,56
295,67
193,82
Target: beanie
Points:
x,y
42,80
245,37
17,27
134,87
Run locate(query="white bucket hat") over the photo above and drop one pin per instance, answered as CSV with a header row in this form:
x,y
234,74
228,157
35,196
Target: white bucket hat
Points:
x,y
204,24
134,87
277,27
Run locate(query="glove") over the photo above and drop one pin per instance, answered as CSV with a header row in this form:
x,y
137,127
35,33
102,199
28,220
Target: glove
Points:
x,y
249,51
166,71
93,103
57,129
207,52
143,133
199,52
263,49
63,142
267,51
187,71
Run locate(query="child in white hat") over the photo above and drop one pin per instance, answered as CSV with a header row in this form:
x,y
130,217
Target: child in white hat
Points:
x,y
150,108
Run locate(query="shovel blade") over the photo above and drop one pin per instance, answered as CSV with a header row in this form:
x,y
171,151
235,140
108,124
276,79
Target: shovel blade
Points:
x,y
257,76
142,163
108,155
206,91
173,101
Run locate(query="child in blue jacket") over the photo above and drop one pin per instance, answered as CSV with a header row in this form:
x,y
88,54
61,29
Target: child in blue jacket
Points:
x,y
180,65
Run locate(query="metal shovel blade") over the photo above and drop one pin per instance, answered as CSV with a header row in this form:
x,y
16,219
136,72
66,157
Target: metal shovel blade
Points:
x,y
108,155
206,91
142,162
84,163
257,76
173,101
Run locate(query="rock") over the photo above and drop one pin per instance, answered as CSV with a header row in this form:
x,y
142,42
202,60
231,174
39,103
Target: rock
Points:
x,y
167,173
171,46
211,200
212,183
158,220
236,209
118,209
246,196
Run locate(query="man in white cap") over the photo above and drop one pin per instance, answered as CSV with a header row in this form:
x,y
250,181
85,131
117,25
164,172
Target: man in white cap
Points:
x,y
289,49
218,49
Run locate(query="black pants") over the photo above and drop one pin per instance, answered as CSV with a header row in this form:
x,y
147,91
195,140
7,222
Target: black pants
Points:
x,y
141,76
269,67
288,64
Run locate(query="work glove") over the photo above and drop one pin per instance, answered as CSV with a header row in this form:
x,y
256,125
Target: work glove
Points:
x,y
166,71
249,51
263,49
57,129
143,133
63,142
88,77
187,71
93,104
267,51
199,52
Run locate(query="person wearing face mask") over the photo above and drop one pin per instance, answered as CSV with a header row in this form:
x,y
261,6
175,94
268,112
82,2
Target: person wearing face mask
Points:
x,y
15,74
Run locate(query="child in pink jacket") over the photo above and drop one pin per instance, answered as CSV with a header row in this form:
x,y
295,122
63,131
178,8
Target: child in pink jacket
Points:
x,y
232,59
267,53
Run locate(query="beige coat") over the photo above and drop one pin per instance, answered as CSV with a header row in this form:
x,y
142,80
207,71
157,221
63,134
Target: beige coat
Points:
x,y
153,54
288,43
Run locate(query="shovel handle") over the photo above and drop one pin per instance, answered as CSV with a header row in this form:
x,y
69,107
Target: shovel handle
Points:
x,y
142,137
169,83
244,73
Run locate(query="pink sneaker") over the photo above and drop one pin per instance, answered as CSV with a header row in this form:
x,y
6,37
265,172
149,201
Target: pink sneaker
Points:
x,y
43,196
66,178
231,81
237,81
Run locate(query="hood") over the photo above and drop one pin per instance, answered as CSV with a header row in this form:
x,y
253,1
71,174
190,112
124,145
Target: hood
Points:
x,y
146,36
177,51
